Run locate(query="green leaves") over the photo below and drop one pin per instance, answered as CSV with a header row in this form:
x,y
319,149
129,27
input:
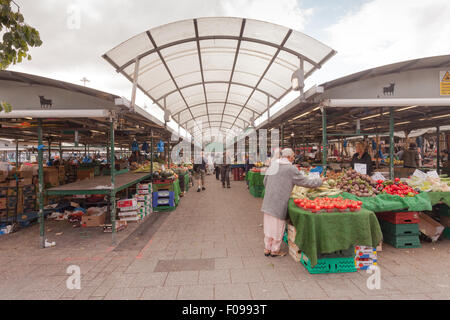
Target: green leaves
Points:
x,y
18,37
4,106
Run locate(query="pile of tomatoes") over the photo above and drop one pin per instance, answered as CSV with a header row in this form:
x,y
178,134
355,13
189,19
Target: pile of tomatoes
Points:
x,y
396,188
319,205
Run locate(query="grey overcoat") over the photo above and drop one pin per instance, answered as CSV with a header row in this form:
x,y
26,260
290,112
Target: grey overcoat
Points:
x,y
279,188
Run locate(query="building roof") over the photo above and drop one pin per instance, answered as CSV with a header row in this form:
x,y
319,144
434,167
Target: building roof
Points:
x,y
217,73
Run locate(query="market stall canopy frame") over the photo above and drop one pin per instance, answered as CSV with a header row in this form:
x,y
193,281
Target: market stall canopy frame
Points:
x,y
217,73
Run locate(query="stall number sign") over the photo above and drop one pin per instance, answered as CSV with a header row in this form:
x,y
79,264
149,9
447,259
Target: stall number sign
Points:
x,y
361,168
444,79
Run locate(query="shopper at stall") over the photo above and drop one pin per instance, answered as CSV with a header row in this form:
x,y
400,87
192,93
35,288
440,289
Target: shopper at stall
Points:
x,y
298,157
361,161
200,172
279,185
410,157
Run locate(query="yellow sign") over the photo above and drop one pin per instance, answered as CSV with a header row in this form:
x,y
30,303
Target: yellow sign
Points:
x,y
444,80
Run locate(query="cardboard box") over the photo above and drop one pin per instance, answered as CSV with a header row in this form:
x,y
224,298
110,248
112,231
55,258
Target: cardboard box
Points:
x,y
51,176
292,232
380,247
445,221
93,221
127,203
294,251
2,203
26,174
26,182
85,174
430,227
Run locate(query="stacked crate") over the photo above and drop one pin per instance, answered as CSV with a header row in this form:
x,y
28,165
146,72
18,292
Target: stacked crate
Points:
x,y
29,198
400,229
144,199
128,210
11,201
3,199
365,257
294,250
163,197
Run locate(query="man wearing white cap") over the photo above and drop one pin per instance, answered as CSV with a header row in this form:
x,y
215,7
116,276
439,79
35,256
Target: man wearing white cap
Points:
x,y
281,178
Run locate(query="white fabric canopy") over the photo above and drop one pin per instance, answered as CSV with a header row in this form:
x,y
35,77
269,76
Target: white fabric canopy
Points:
x,y
217,72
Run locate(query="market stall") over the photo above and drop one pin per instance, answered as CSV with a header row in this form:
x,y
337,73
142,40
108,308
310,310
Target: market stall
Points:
x,y
328,232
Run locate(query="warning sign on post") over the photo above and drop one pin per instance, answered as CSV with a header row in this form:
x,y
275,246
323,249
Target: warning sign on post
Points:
x,y
444,80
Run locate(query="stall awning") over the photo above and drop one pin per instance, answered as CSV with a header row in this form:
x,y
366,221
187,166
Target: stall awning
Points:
x,y
217,73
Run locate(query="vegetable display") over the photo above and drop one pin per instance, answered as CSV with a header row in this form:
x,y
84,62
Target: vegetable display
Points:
x,y
358,184
429,184
322,205
323,191
396,188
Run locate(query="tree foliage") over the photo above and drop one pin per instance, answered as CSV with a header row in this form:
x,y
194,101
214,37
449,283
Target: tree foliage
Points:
x,y
18,37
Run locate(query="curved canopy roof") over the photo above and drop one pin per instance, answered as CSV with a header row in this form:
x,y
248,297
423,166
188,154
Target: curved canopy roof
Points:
x,y
217,73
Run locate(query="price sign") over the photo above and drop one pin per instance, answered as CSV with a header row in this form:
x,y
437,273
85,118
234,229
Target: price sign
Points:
x,y
378,176
361,168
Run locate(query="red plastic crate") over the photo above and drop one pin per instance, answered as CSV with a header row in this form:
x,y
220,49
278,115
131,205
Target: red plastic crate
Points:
x,y
165,181
399,217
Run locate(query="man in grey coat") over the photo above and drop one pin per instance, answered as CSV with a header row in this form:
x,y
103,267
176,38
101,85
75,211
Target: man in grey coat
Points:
x,y
280,179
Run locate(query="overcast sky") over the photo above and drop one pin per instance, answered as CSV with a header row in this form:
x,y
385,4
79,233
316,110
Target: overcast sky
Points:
x,y
366,33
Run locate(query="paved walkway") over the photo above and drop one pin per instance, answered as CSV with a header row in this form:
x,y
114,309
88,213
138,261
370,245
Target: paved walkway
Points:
x,y
211,247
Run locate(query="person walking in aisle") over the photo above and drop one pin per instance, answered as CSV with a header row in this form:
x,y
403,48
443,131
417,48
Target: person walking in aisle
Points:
x,y
279,183
225,170
200,172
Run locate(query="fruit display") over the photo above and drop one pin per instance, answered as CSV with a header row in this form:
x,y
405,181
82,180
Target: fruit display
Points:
x,y
396,162
322,205
259,164
145,167
358,184
428,184
396,188
323,191
164,175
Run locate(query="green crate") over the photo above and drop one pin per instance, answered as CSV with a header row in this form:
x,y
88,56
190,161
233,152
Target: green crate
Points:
x,y
164,186
446,233
350,252
329,265
399,229
164,209
402,242
444,210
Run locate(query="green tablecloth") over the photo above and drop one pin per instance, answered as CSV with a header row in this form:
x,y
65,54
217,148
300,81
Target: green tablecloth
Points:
x,y
255,184
330,232
387,202
186,182
176,191
439,197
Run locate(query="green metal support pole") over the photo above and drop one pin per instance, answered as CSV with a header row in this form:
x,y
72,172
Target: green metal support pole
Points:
x,y
438,150
113,179
282,137
41,187
168,153
391,143
60,152
17,181
324,141
49,149
151,154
